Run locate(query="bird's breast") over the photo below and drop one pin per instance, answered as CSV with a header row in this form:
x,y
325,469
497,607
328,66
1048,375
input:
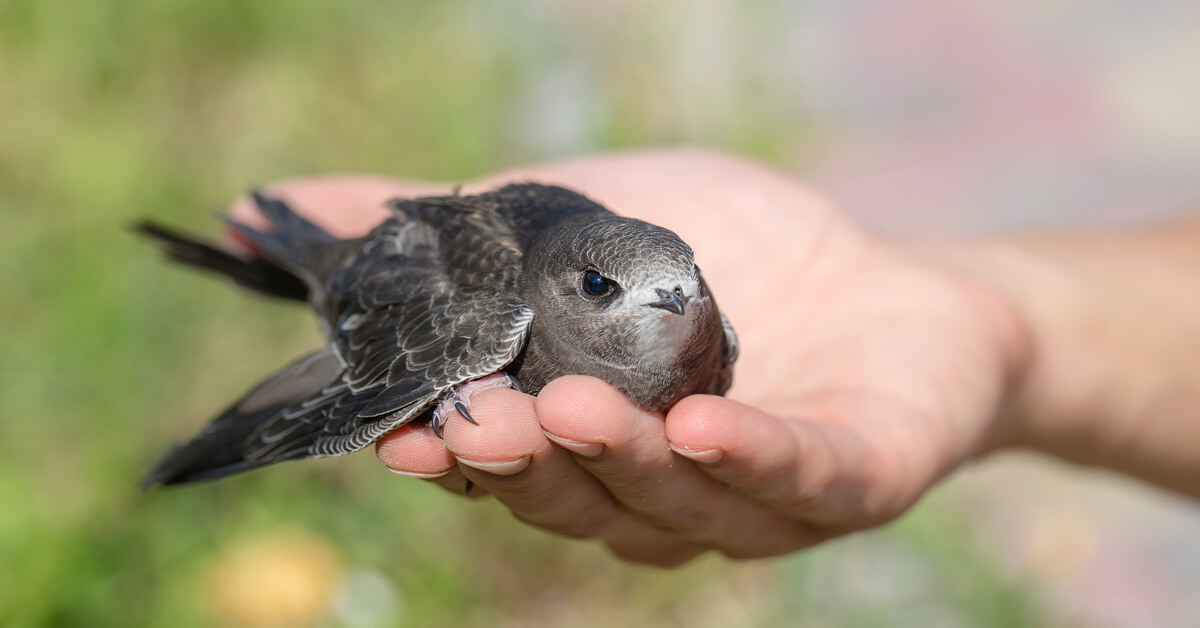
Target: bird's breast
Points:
x,y
655,360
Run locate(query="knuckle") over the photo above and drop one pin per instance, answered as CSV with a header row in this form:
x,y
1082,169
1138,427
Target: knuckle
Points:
x,y
690,523
643,484
810,490
798,536
571,527
546,507
888,487
458,484
662,557
533,496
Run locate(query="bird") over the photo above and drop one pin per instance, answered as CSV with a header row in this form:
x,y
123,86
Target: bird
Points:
x,y
446,297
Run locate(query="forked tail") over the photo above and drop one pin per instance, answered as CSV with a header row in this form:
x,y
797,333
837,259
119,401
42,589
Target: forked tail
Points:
x,y
277,263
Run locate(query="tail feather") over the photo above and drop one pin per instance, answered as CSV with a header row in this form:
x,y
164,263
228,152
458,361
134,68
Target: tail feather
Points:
x,y
255,273
291,241
288,225
284,264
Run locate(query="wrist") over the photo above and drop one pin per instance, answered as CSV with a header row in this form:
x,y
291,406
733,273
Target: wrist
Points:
x,y
1064,388
1113,376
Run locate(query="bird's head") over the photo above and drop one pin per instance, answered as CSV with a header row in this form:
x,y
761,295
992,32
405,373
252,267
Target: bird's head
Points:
x,y
621,289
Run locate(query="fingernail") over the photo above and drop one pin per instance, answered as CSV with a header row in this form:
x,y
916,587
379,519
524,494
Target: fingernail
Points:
x,y
704,456
587,450
418,474
498,467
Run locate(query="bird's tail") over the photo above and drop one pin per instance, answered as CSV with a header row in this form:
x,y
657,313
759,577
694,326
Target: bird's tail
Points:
x,y
273,268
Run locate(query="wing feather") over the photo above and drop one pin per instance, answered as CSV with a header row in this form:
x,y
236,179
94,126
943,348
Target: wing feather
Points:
x,y
422,310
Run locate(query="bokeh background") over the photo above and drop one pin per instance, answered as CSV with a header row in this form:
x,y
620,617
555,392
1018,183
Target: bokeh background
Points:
x,y
921,116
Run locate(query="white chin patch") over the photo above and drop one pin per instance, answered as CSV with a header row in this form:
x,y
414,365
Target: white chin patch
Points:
x,y
662,334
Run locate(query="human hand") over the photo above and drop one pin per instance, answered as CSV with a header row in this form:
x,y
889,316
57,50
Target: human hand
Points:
x,y
865,375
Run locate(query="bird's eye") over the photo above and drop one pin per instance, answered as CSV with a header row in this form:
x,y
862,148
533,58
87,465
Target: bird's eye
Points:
x,y
596,285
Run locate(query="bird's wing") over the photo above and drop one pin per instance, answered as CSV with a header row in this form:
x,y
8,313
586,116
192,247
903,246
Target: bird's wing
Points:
x,y
730,342
404,357
221,447
421,311
405,327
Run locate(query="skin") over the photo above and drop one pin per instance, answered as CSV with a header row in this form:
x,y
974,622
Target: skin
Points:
x,y
869,370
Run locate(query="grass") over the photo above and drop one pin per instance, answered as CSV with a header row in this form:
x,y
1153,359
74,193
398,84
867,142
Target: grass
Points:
x,y
119,110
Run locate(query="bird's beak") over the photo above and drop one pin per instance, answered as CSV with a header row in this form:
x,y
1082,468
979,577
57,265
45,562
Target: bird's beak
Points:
x,y
669,301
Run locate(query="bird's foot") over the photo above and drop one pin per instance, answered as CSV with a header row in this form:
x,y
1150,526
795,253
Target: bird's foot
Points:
x,y
459,398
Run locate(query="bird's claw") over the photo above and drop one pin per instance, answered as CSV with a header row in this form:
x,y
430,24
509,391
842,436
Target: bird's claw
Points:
x,y
462,409
459,399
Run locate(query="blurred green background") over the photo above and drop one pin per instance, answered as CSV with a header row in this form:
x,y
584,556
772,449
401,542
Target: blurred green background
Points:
x,y
114,110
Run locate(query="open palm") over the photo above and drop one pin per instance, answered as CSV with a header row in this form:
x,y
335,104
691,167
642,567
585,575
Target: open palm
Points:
x,y
865,375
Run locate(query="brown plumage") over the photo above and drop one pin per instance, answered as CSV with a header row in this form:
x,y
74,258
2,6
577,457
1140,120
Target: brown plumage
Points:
x,y
533,281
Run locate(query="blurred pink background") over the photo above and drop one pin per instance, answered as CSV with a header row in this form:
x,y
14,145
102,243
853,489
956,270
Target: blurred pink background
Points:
x,y
943,116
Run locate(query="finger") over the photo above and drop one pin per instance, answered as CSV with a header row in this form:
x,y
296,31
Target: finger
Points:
x,y
630,456
820,471
346,206
508,455
413,450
